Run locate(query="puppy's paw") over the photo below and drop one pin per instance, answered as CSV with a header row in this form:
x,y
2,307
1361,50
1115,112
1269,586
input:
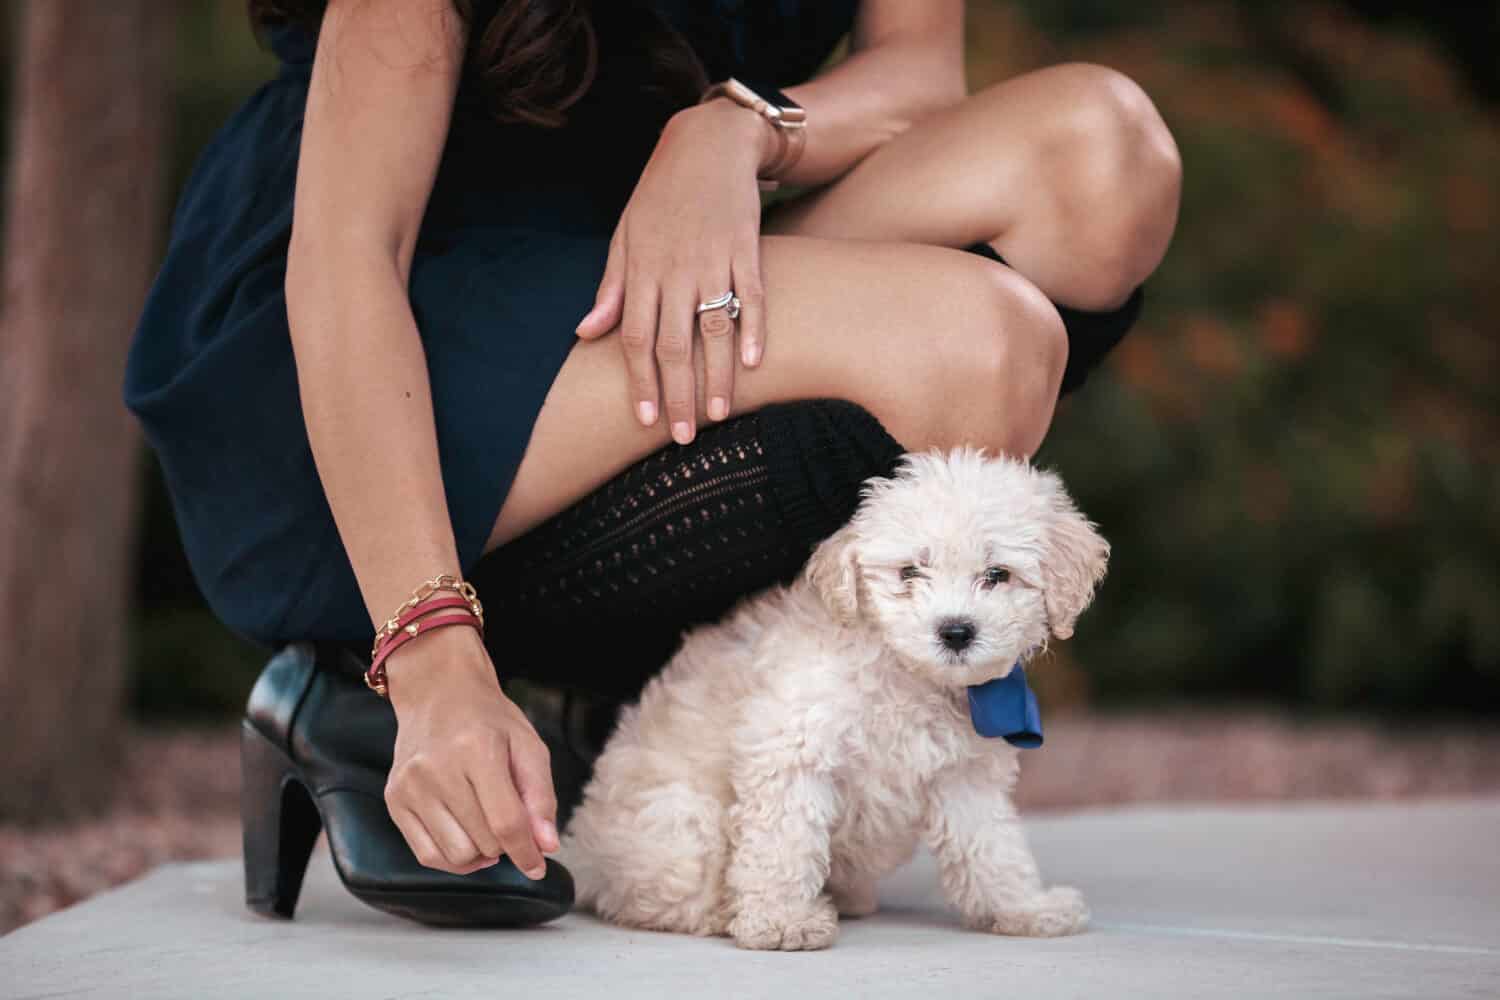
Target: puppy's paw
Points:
x,y
779,927
1060,911
1055,913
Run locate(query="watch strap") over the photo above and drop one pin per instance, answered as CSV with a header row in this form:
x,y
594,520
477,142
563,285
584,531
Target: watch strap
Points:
x,y
785,115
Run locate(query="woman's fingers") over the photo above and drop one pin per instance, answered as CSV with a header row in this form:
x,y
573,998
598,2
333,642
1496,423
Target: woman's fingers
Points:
x,y
747,285
462,802
674,356
418,839
717,331
610,300
507,816
435,837
638,340
532,769
510,821
451,837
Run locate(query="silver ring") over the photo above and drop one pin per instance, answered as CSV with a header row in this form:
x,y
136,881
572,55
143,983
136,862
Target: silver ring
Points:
x,y
728,300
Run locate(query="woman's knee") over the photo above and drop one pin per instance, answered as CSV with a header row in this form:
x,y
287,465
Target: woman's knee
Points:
x,y
1000,374
1115,176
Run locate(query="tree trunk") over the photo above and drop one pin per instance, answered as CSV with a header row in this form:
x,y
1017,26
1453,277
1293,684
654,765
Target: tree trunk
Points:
x,y
81,224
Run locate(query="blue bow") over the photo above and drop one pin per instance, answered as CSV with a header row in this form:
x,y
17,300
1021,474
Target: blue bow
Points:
x,y
1006,707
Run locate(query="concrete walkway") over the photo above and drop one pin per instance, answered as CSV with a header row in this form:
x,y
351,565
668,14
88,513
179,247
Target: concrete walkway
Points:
x,y
1387,900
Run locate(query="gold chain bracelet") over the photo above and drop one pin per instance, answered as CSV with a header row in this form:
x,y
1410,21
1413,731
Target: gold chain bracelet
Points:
x,y
424,590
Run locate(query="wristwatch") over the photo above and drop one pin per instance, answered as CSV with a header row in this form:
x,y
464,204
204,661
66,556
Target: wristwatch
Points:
x,y
784,114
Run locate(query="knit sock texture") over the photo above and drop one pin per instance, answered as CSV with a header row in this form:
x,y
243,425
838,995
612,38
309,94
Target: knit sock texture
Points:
x,y
597,596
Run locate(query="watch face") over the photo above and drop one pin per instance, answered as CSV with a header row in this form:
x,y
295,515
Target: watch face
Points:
x,y
776,106
779,98
768,93
791,112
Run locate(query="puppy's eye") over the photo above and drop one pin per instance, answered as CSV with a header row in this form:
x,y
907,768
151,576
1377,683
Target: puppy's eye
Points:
x,y
910,572
996,575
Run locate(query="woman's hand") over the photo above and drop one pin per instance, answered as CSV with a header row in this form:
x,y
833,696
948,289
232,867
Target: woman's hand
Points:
x,y
471,780
690,232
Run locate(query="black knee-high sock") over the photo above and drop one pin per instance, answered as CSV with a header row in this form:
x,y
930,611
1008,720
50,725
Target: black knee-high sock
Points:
x,y
596,597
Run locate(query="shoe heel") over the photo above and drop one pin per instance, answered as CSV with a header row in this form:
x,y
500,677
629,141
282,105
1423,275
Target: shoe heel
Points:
x,y
280,823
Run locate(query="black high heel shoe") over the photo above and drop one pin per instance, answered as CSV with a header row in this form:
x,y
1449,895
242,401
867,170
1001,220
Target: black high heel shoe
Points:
x,y
575,734
315,750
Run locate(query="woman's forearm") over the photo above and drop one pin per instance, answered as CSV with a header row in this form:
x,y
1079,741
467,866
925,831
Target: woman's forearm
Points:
x,y
378,106
469,777
907,62
367,403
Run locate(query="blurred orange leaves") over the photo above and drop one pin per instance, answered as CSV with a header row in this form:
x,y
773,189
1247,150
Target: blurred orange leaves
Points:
x,y
1285,329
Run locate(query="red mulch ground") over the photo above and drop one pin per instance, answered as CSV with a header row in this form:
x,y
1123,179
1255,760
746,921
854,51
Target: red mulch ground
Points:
x,y
179,791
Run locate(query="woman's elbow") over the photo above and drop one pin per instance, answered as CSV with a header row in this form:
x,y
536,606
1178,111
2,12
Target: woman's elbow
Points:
x,y
321,274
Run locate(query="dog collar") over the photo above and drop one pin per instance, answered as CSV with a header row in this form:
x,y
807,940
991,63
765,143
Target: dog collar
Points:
x,y
1006,708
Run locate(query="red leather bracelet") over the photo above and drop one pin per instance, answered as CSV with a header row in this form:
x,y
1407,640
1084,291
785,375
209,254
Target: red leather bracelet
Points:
x,y
375,677
431,604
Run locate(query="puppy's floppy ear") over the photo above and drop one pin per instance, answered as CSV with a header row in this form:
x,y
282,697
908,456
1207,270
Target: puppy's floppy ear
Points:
x,y
1076,558
832,572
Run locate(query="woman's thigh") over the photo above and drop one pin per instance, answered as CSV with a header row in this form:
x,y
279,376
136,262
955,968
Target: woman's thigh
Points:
x,y
1069,172
942,346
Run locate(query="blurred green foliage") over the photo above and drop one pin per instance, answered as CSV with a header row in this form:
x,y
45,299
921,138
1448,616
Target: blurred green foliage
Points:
x,y
1294,454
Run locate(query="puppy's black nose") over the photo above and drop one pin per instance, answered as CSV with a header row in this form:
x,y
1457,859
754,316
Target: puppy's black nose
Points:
x,y
956,633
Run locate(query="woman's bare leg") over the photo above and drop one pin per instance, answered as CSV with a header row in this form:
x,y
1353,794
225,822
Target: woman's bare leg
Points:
x,y
940,345
1069,172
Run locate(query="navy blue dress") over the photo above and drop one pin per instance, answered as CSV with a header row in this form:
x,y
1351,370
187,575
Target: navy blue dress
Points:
x,y
509,257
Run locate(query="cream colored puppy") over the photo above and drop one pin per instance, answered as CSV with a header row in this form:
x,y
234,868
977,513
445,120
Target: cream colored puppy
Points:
x,y
796,751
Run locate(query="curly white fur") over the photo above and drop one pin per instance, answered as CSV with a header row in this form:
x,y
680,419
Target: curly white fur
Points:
x,y
793,753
